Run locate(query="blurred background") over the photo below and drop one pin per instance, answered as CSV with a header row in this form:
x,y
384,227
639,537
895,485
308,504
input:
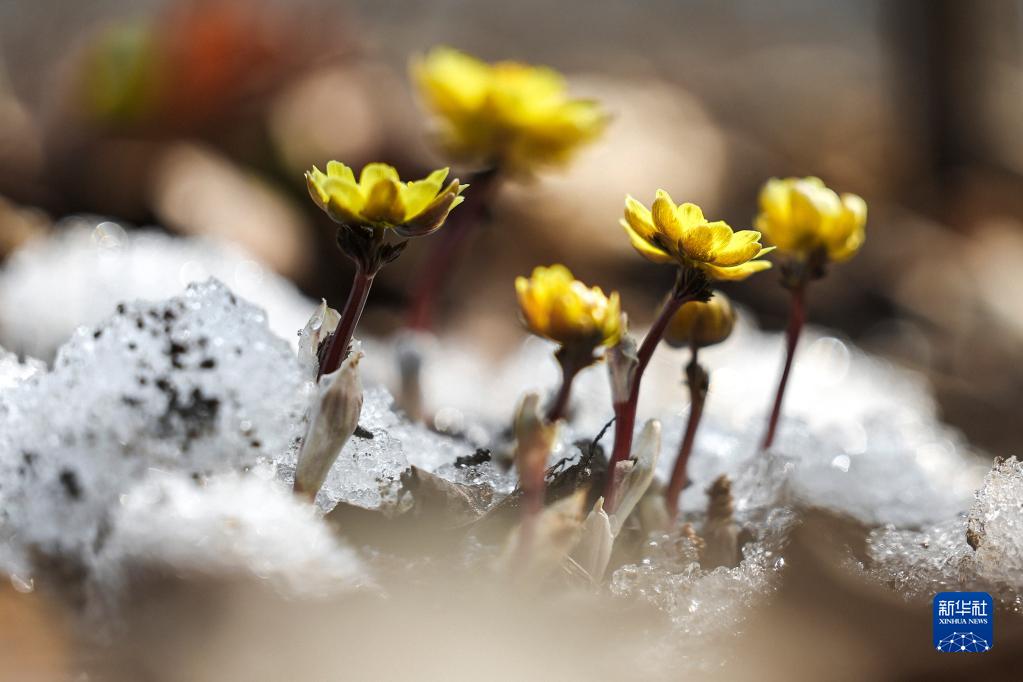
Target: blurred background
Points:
x,y
199,117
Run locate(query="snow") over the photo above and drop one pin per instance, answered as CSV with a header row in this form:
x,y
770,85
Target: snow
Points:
x,y
977,550
52,286
858,435
196,384
234,524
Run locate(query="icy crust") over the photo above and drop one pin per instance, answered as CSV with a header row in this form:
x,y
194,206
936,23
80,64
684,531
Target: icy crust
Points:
x,y
709,606
13,370
368,470
52,286
982,549
237,524
859,436
196,384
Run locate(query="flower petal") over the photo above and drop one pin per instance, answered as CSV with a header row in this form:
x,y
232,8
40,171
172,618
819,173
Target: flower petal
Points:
x,y
372,173
639,218
433,216
383,201
344,201
336,169
744,245
690,215
739,272
701,242
419,194
645,248
666,218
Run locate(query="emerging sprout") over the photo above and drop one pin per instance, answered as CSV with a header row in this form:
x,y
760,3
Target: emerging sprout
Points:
x,y
702,251
510,115
558,307
534,438
696,325
367,210
596,541
334,418
814,226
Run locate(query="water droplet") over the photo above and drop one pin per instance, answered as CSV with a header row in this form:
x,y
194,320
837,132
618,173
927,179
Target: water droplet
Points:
x,y
448,420
832,356
108,236
841,462
21,584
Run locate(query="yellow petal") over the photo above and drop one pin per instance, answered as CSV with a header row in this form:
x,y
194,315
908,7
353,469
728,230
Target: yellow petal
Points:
x,y
744,245
344,200
383,200
690,215
372,173
421,193
314,181
336,169
736,273
639,218
774,201
665,216
645,248
700,242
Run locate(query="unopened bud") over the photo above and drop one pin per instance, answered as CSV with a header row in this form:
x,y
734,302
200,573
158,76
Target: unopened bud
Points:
x,y
701,324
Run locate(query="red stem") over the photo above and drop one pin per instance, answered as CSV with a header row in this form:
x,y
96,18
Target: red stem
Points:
x,y
434,272
698,395
625,412
558,407
797,317
341,339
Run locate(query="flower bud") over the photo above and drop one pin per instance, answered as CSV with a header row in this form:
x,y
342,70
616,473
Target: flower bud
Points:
x,y
698,324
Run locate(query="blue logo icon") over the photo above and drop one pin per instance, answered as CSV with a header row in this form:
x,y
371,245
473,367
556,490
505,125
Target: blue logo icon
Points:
x,y
963,622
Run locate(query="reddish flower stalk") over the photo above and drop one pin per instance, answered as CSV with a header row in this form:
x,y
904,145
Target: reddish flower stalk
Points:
x,y
797,318
697,378
434,272
557,409
691,285
336,348
572,361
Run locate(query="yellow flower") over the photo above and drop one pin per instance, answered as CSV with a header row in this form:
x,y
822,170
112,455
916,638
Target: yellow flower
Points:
x,y
680,234
512,115
559,307
701,324
801,215
381,199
